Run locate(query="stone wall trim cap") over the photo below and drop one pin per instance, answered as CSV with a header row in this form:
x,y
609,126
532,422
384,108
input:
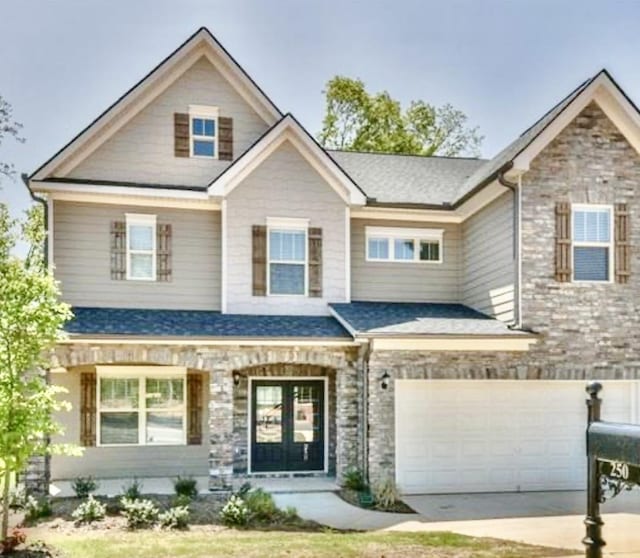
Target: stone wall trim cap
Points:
x,y
210,341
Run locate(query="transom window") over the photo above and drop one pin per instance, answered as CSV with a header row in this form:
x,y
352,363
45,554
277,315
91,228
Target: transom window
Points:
x,y
403,245
204,131
141,408
141,247
592,242
287,249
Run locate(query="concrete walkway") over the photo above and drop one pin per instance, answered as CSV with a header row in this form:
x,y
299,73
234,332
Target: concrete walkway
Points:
x,y
547,519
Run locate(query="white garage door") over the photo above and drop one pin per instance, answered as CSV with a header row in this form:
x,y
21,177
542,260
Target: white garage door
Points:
x,y
498,436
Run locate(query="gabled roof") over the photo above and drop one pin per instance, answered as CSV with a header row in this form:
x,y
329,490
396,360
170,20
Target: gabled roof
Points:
x,y
289,129
202,42
407,179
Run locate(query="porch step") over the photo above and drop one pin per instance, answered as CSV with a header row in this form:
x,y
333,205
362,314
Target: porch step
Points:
x,y
289,485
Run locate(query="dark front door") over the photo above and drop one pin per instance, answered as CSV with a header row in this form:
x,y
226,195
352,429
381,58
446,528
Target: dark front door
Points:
x,y
287,429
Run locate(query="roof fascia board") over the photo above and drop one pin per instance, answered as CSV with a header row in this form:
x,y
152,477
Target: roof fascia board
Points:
x,y
514,343
88,188
489,193
288,130
81,197
212,341
403,214
147,89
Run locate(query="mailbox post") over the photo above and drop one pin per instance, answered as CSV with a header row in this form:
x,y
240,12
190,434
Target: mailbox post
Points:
x,y
593,539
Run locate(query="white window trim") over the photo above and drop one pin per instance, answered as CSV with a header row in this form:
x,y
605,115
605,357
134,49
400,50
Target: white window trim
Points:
x,y
140,219
207,113
585,244
398,233
141,373
291,224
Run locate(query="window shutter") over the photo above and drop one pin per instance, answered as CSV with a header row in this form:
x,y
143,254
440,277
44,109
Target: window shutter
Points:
x,y
88,405
563,242
118,250
225,138
315,262
259,242
163,252
622,244
194,409
181,134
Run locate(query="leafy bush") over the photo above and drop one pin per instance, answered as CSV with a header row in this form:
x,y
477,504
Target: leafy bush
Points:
x,y
18,497
83,486
133,490
181,500
354,480
175,518
186,486
385,493
139,513
37,508
261,505
89,511
235,512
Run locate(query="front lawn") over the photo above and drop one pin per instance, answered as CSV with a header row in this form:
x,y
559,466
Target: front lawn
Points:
x,y
203,542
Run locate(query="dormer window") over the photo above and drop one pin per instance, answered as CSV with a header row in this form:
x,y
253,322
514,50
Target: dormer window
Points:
x,y
203,126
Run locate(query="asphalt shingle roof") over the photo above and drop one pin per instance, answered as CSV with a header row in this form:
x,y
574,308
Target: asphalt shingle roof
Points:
x,y
418,318
199,323
391,178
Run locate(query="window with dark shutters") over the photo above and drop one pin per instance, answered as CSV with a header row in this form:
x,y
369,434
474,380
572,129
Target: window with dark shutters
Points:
x,y
315,262
259,259
194,409
88,402
225,138
622,244
118,250
163,255
563,242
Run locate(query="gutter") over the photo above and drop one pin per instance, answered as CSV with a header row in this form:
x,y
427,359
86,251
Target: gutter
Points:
x,y
515,188
45,207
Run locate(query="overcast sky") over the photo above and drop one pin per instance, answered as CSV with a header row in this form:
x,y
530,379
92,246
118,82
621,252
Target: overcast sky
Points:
x,y
503,63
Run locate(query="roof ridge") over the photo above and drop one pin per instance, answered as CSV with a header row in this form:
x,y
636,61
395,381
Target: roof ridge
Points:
x,y
406,154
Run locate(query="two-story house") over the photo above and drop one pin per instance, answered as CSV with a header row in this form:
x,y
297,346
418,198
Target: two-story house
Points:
x,y
249,303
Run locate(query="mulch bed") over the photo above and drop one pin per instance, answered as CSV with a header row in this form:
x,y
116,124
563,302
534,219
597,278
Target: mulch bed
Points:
x,y
351,497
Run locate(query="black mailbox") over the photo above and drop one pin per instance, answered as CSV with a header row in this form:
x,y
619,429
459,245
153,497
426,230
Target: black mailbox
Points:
x,y
614,442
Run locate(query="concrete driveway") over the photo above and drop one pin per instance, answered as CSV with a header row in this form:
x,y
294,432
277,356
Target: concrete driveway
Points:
x,y
551,519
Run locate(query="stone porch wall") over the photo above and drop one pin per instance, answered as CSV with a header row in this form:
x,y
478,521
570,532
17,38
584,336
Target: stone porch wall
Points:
x,y
227,444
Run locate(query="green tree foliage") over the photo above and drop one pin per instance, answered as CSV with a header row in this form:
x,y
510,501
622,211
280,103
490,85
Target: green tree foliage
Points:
x,y
8,128
31,319
356,120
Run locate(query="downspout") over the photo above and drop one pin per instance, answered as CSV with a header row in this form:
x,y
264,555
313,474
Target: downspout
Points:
x,y
45,207
515,188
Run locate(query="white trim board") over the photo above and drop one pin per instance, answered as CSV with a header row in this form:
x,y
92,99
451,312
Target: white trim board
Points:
x,y
250,379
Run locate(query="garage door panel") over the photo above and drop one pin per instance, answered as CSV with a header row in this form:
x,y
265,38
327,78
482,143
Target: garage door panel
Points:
x,y
478,436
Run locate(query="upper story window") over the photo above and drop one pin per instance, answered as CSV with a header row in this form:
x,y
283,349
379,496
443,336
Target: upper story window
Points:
x,y
287,249
592,242
203,126
387,244
141,407
141,247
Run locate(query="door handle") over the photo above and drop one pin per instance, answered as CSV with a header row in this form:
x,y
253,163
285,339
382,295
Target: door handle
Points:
x,y
305,452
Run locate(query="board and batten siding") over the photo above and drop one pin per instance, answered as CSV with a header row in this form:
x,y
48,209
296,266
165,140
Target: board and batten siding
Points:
x,y
405,282
122,462
143,149
488,282
284,185
83,262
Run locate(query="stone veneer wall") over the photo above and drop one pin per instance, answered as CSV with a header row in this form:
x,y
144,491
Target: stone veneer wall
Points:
x,y
587,330
341,363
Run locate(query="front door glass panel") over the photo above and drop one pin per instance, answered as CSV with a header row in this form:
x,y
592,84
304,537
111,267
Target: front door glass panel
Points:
x,y
306,413
268,414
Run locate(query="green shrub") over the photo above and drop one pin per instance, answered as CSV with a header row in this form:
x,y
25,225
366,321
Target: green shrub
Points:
x,y
89,511
18,497
186,486
244,489
139,513
175,518
133,490
235,512
261,505
37,508
354,480
83,486
385,493
181,500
